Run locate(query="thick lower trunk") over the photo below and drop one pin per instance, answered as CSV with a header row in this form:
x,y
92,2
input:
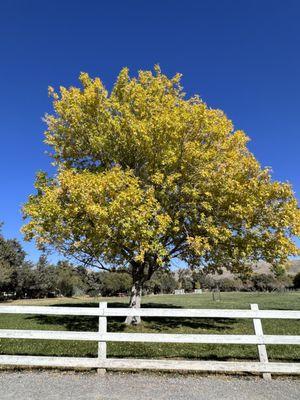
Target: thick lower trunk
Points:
x,y
141,273
135,302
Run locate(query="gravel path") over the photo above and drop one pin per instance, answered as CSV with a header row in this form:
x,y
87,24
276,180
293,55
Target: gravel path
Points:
x,y
125,386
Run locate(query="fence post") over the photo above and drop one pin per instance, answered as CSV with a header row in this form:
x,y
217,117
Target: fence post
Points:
x,y
262,350
102,328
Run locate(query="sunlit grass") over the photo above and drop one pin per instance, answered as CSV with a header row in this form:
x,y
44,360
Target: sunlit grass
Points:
x,y
167,325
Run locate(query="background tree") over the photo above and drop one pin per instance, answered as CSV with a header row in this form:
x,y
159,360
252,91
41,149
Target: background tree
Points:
x,y
12,256
91,281
114,283
45,278
26,282
145,175
162,282
68,280
6,273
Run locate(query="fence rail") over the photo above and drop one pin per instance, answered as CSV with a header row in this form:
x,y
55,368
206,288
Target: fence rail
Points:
x,y
151,312
102,337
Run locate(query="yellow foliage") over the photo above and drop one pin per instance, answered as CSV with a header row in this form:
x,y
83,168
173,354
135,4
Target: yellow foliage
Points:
x,y
145,174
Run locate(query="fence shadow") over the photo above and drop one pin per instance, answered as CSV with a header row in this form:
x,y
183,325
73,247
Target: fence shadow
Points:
x,y
116,324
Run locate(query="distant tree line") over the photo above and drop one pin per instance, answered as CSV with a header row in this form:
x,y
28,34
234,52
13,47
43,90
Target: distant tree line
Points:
x,y
20,278
251,282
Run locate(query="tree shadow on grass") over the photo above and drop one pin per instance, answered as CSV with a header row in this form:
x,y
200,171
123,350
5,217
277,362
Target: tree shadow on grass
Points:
x,y
116,324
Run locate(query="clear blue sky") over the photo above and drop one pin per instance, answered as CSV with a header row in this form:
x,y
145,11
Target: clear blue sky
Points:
x,y
240,56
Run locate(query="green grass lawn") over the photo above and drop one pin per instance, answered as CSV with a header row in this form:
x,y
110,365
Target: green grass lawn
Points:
x,y
235,300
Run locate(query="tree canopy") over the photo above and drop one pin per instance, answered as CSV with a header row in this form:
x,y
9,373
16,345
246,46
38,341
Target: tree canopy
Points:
x,y
145,175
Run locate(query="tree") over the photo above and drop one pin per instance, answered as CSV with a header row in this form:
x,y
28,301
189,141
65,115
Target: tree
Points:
x,y
146,175
161,282
26,281
11,252
113,283
12,257
91,280
45,278
68,280
269,282
6,273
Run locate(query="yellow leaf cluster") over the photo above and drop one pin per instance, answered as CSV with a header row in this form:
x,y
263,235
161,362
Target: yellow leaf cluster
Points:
x,y
146,174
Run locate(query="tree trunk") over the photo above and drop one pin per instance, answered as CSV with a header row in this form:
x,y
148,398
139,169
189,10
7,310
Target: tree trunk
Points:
x,y
141,273
135,302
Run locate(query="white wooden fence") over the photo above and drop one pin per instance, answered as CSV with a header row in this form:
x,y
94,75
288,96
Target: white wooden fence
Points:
x,y
102,337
